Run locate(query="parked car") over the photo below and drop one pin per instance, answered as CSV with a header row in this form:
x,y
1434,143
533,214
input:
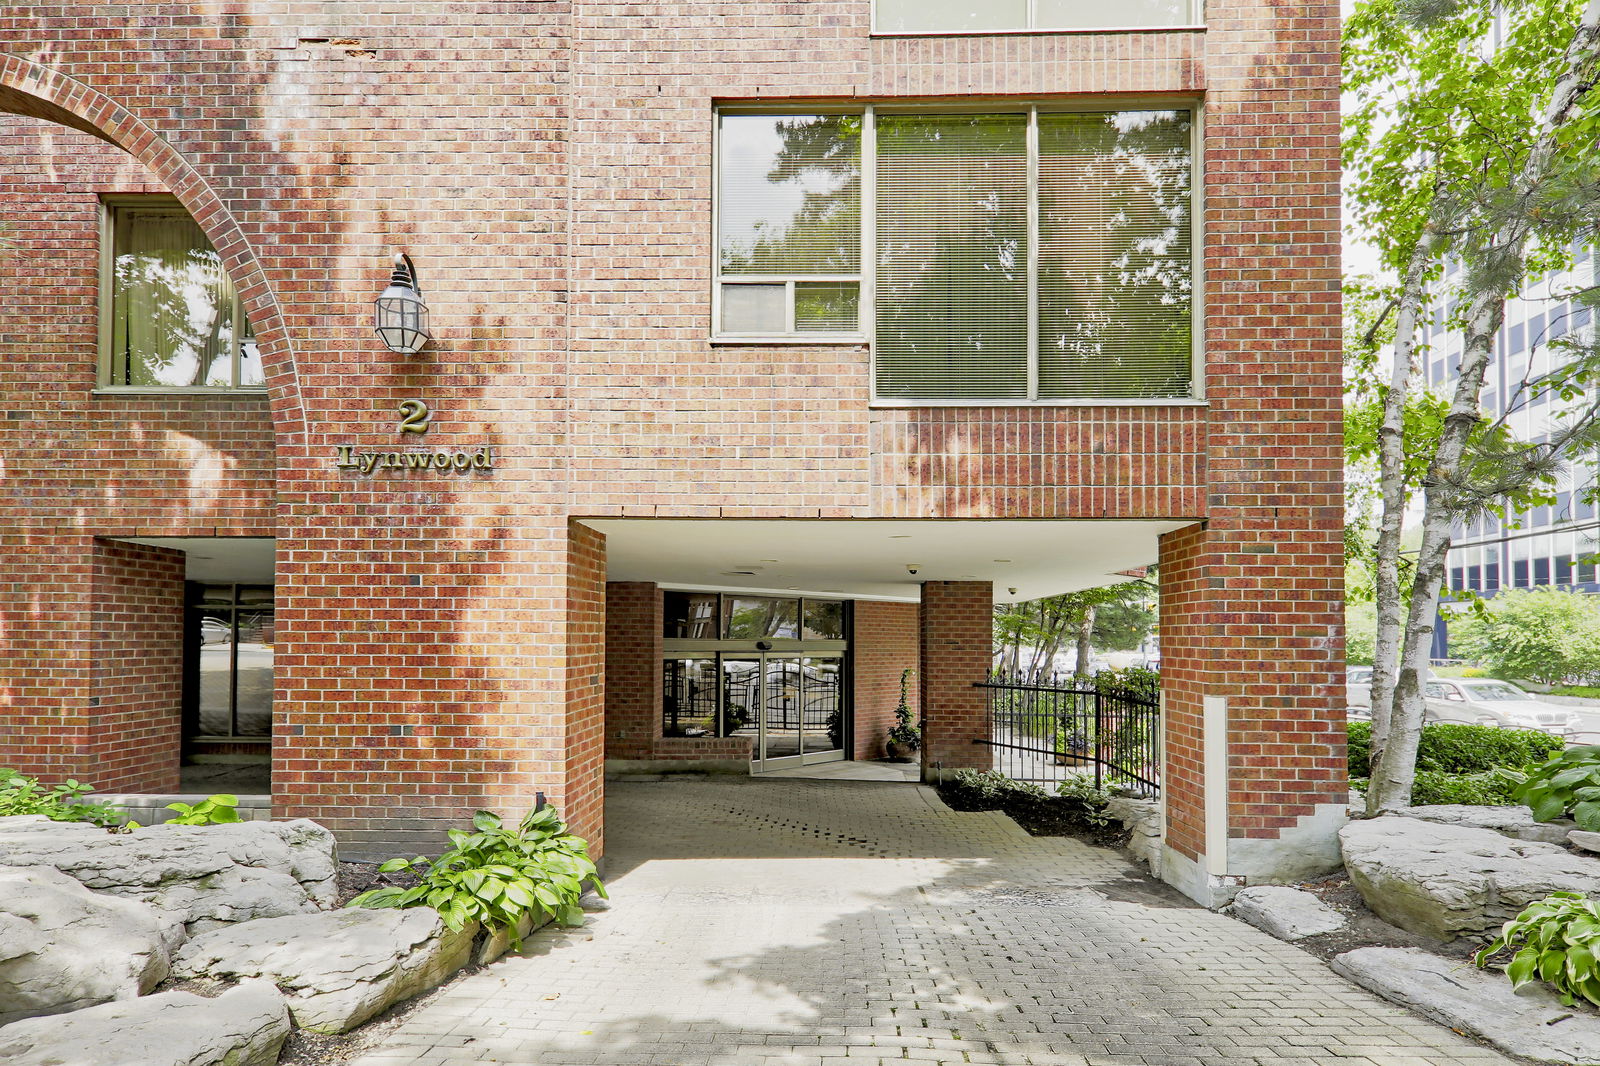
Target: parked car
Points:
x,y
1358,690
1496,703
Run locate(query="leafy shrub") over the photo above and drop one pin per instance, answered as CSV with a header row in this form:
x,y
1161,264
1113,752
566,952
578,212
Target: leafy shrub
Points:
x,y
1554,941
1492,788
495,876
991,790
20,794
1545,634
1590,692
219,809
1473,671
1088,801
1135,682
1568,783
1459,749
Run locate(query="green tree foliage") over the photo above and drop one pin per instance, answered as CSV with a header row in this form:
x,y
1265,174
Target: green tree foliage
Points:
x,y
1545,634
1027,636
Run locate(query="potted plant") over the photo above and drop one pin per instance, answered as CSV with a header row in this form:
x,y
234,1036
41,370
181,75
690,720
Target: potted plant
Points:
x,y
904,736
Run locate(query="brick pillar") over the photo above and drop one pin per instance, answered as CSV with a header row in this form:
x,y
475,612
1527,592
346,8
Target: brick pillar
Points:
x,y
956,651
1254,783
633,668
583,785
135,706
884,642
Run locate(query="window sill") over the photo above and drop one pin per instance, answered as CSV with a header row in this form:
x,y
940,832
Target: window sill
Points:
x,y
792,340
251,392
892,34
1109,401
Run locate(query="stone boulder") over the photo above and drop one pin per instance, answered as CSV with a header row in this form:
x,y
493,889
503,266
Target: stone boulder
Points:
x,y
1516,822
1450,881
245,1026
200,876
1531,1023
336,969
63,947
1142,819
1286,913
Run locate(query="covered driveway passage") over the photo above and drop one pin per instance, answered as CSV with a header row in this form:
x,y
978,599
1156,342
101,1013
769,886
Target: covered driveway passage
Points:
x,y
802,922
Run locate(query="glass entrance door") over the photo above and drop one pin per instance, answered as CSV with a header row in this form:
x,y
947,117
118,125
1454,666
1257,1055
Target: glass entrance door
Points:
x,y
801,708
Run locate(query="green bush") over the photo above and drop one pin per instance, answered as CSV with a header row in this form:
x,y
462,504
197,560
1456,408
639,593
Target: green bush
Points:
x,y
1589,692
991,790
1568,783
1459,749
1546,634
495,876
1492,788
1135,682
1554,941
20,794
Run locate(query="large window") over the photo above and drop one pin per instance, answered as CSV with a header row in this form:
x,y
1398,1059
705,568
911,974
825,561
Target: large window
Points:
x,y
170,318
990,16
1027,255
231,636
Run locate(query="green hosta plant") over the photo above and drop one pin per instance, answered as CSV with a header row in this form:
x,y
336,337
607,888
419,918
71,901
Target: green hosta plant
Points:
x,y
496,876
1554,941
1089,799
220,809
20,794
1568,783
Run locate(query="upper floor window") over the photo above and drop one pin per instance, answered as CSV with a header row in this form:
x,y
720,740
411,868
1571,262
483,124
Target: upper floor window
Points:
x,y
170,318
1011,256
989,16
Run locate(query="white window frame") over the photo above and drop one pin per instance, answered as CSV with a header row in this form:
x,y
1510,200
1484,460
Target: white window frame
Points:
x,y
110,205
867,301
1196,22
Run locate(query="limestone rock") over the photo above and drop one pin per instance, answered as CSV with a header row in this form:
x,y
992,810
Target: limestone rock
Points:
x,y
63,947
1514,822
1449,881
201,876
1142,819
1286,913
1587,841
336,969
245,1026
1531,1023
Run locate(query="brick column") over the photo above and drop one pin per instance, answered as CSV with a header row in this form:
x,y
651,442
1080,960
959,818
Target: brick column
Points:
x,y
633,668
884,641
956,651
135,706
583,784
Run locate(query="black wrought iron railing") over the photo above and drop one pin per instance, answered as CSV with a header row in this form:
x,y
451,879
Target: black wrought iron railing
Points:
x,y
1045,733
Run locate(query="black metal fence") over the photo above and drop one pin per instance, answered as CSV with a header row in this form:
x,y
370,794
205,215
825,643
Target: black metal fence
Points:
x,y
1045,734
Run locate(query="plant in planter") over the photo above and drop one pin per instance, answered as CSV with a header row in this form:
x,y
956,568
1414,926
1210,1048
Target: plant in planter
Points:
x,y
904,736
1072,746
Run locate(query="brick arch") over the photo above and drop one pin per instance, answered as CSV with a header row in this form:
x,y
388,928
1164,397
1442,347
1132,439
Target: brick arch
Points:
x,y
27,88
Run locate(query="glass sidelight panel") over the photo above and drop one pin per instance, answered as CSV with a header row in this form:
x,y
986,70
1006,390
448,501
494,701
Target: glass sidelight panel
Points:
x,y
216,673
822,721
689,702
232,668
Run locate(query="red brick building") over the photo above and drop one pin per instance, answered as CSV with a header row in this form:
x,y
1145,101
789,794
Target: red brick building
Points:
x,y
751,325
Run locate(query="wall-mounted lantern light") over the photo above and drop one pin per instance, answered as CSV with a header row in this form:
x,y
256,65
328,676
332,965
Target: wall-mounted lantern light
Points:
x,y
402,317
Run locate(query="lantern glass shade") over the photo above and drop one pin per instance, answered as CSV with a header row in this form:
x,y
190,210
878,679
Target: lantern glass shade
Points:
x,y
402,319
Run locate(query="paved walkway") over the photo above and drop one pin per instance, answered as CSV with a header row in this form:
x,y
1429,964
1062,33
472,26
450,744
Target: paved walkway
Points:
x,y
809,922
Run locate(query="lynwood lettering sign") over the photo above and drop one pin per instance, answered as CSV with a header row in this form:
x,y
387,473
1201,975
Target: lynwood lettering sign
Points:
x,y
414,418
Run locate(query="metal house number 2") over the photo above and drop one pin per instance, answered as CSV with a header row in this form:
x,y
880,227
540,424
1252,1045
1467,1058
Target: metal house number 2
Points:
x,y
414,416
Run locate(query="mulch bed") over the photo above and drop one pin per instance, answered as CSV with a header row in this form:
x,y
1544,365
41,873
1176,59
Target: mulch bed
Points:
x,y
1051,817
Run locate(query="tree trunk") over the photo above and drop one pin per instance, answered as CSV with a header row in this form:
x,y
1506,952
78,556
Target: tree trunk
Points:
x,y
1391,479
1500,265
1080,669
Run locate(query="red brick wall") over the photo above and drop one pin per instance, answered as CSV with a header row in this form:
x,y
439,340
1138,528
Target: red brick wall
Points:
x,y
957,647
582,798
633,669
133,727
549,169
884,642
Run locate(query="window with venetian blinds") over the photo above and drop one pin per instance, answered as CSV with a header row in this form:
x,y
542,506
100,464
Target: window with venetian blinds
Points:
x,y
1028,255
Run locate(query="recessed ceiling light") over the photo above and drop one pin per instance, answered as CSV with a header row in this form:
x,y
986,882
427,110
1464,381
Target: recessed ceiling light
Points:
x,y
900,536
769,560
1002,560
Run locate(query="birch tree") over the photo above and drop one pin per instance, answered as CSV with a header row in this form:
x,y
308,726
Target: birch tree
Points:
x,y
1480,148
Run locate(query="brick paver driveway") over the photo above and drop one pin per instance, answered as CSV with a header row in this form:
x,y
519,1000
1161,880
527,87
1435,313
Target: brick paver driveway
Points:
x,y
763,922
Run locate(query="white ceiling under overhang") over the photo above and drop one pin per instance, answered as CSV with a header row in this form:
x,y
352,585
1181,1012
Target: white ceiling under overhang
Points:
x,y
872,558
